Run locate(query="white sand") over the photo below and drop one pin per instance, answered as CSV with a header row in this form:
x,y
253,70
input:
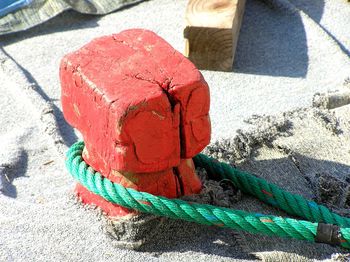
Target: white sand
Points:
x,y
284,57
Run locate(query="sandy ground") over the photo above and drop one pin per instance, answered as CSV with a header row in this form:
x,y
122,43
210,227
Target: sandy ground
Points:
x,y
287,52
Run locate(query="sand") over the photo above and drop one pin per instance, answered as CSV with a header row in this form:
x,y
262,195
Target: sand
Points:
x,y
282,114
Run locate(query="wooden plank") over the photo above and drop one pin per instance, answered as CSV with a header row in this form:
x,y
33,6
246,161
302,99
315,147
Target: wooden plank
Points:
x,y
211,33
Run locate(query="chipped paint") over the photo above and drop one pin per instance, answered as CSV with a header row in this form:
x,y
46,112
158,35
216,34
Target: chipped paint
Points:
x,y
158,114
149,48
76,110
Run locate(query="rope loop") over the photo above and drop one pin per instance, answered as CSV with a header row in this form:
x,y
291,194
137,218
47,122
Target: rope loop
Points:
x,y
321,225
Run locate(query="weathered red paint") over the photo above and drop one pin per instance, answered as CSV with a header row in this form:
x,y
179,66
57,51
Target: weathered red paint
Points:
x,y
142,108
171,183
139,104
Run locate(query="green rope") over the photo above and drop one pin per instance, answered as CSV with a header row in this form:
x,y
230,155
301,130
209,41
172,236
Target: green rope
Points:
x,y
219,216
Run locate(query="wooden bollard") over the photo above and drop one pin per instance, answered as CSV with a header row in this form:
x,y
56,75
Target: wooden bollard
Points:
x,y
142,109
211,33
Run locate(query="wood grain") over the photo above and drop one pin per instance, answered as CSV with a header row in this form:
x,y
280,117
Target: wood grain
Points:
x,y
211,33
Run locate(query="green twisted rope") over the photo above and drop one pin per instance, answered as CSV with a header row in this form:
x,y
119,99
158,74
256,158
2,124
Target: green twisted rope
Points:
x,y
218,216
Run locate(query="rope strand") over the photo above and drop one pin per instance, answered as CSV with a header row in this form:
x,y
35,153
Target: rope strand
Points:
x,y
218,216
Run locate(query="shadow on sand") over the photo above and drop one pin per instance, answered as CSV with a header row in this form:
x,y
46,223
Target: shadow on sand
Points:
x,y
9,174
327,181
273,40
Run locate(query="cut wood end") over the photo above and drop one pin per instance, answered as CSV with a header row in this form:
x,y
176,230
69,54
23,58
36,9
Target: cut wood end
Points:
x,y
211,13
211,33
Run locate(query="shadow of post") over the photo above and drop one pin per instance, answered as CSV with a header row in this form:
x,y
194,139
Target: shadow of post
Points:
x,y
273,41
65,130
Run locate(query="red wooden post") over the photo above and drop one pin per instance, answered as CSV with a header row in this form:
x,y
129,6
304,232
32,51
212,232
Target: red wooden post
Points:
x,y
142,108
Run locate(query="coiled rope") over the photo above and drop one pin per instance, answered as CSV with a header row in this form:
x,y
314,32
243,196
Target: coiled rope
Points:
x,y
323,225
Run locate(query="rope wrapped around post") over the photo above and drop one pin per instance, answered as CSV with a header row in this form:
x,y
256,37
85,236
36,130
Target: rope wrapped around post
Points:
x,y
323,225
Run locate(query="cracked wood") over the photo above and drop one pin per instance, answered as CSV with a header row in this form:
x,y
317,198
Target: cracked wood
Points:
x,y
142,109
139,104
